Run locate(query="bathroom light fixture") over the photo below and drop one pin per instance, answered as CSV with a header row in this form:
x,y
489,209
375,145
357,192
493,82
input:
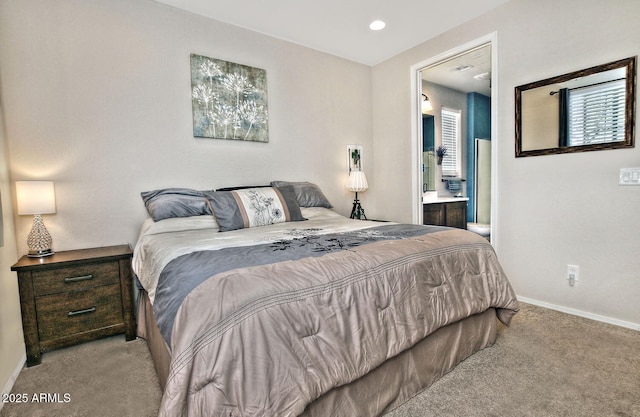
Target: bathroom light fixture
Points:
x,y
426,104
37,198
377,25
357,183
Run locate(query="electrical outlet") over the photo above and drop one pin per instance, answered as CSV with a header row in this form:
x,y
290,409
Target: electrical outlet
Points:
x,y
573,274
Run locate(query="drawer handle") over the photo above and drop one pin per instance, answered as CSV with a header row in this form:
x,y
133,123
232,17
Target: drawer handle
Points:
x,y
80,278
79,312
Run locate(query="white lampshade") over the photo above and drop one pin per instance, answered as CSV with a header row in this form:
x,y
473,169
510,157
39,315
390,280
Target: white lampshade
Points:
x,y
357,182
35,197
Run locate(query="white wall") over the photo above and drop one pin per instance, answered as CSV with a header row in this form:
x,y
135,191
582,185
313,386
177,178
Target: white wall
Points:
x,y
12,351
553,210
97,99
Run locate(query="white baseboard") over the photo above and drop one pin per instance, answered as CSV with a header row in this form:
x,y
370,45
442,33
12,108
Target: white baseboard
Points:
x,y
9,385
580,313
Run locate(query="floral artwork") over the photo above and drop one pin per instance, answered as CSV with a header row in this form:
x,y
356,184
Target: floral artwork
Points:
x,y
229,100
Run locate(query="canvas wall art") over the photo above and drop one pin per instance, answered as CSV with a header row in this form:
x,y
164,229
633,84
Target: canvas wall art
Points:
x,y
229,100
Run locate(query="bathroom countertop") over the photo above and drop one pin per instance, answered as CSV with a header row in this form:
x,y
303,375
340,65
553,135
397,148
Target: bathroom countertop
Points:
x,y
444,200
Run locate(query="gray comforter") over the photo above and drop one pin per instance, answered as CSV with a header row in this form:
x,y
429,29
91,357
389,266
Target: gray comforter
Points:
x,y
268,338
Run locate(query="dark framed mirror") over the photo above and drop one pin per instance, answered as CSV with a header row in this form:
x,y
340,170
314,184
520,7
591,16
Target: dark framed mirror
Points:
x,y
588,110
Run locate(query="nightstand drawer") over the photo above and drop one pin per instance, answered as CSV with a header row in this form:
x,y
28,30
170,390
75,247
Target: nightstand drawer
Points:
x,y
74,278
69,313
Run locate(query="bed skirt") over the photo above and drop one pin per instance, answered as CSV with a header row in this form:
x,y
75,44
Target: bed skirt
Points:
x,y
383,389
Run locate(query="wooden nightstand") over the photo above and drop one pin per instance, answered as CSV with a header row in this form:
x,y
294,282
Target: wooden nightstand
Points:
x,y
75,296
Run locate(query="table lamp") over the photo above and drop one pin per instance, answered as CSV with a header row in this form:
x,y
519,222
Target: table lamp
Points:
x,y
357,183
37,198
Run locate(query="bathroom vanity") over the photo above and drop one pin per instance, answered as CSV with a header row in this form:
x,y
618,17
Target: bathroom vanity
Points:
x,y
445,211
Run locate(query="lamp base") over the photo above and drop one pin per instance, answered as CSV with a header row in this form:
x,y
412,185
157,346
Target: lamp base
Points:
x,y
40,253
39,240
357,212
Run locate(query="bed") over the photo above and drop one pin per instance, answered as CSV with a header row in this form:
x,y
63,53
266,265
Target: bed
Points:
x,y
266,302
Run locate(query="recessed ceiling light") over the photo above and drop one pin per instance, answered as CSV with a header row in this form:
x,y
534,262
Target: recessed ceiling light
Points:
x,y
377,25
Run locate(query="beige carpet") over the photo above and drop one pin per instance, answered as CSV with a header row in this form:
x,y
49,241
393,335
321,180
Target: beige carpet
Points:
x,y
104,378
546,364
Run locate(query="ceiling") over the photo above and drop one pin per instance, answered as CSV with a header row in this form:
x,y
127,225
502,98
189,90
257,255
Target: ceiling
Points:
x,y
469,72
341,27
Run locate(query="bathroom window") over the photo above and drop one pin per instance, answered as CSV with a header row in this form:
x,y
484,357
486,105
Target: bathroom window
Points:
x,y
451,140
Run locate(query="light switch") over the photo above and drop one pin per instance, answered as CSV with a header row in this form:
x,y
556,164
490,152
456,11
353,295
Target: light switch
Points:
x,y
629,176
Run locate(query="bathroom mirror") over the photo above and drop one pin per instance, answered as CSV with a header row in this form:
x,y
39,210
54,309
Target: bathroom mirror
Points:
x,y
428,153
587,110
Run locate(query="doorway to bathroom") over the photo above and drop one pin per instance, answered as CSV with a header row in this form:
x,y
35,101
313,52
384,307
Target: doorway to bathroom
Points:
x,y
459,81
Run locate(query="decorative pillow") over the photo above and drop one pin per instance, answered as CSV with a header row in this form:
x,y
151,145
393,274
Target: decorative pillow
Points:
x,y
175,202
253,207
307,193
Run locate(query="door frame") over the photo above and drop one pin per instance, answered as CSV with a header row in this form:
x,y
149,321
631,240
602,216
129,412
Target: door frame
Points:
x,y
416,125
